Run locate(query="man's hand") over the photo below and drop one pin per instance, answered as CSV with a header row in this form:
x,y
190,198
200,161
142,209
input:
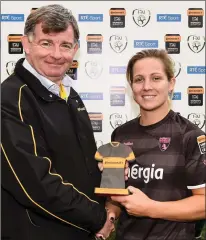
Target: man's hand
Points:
x,y
108,226
136,204
126,170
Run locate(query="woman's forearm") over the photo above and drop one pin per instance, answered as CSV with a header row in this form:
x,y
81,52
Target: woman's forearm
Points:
x,y
188,209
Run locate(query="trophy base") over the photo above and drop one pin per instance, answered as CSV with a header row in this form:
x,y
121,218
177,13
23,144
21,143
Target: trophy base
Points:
x,y
111,191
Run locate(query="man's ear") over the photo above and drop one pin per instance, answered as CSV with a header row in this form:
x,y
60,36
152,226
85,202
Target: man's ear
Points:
x,y
26,44
76,48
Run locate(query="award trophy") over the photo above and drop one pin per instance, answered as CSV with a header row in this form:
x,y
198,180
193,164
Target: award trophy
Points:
x,y
114,156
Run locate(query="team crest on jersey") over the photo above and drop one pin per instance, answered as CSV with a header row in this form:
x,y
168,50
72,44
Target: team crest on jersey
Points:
x,y
201,140
128,143
164,143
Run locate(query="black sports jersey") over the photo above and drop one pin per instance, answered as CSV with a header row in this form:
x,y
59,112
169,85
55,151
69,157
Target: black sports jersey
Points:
x,y
170,162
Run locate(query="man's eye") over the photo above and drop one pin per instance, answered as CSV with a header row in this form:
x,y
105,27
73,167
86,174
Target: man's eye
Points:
x,y
156,78
67,46
45,44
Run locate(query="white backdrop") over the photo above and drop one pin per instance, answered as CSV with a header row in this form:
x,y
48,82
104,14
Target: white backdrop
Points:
x,y
110,33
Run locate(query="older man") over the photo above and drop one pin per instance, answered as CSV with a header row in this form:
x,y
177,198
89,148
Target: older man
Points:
x,y
48,167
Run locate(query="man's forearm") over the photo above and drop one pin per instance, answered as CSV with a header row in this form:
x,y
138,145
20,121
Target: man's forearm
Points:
x,y
188,209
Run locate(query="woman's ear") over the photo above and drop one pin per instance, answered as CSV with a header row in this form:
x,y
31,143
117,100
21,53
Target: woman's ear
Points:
x,y
172,84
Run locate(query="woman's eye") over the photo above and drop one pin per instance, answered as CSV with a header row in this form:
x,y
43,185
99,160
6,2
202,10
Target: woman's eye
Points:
x,y
138,79
156,78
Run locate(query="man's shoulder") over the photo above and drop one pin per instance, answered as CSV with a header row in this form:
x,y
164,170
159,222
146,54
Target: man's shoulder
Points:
x,y
10,88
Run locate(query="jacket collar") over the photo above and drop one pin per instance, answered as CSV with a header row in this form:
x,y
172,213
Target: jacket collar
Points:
x,y
35,85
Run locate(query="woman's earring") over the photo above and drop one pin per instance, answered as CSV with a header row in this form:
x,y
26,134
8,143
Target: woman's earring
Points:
x,y
170,94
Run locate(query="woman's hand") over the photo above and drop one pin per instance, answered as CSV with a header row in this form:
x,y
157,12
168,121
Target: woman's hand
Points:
x,y
136,204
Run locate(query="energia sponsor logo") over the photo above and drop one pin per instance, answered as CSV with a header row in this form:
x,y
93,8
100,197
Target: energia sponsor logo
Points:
x,y
148,173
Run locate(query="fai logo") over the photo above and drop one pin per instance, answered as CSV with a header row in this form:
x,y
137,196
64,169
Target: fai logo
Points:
x,y
93,69
177,68
117,119
197,118
164,143
10,67
141,16
118,43
196,43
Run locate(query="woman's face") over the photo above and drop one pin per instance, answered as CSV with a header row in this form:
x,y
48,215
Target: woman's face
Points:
x,y
150,84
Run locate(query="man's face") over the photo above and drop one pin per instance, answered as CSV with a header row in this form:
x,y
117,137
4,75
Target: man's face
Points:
x,y
51,54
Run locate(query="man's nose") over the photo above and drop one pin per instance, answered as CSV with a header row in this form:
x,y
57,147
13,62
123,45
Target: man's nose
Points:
x,y
56,53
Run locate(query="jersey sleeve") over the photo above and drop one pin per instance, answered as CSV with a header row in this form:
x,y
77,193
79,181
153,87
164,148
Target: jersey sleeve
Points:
x,y
195,167
130,154
98,155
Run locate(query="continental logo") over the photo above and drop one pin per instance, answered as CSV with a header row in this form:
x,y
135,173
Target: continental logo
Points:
x,y
96,121
74,64
202,144
195,12
94,38
117,89
191,90
201,139
117,12
14,37
174,38
96,116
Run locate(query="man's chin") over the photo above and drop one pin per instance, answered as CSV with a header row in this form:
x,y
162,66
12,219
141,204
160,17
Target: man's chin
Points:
x,y
54,74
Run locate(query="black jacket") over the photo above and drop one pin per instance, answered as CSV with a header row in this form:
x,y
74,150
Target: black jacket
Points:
x,y
48,168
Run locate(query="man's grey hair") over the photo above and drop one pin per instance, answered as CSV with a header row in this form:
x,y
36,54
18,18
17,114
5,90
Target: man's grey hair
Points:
x,y
54,18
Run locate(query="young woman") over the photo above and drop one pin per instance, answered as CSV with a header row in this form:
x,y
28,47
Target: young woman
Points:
x,y
167,180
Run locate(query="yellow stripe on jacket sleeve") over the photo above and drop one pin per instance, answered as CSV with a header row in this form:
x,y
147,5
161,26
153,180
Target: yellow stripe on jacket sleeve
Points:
x,y
29,197
50,163
35,152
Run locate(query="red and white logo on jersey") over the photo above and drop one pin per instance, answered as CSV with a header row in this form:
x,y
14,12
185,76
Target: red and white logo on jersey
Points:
x,y
164,143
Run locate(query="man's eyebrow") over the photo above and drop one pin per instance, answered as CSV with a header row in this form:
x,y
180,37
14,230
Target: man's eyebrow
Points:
x,y
65,42
51,41
45,39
